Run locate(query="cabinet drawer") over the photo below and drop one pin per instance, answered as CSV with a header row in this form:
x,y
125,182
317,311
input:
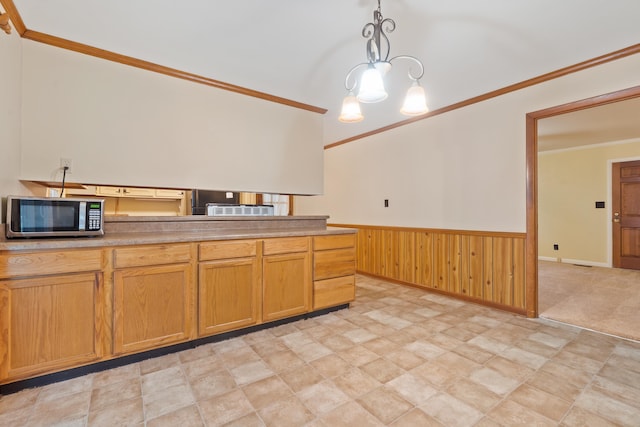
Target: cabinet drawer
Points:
x,y
334,263
43,263
228,249
330,292
286,245
151,255
138,192
109,191
169,194
321,243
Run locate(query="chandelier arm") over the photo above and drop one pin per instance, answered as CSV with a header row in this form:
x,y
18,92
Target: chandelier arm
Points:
x,y
414,59
350,73
367,30
390,26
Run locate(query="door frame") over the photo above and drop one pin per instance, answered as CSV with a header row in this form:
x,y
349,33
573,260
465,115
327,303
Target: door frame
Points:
x,y
531,280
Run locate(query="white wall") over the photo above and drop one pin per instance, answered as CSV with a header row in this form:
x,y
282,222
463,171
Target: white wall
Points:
x,y
126,126
465,169
10,107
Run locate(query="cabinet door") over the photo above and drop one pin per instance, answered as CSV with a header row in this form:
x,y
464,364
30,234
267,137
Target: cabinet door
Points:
x,y
151,307
286,285
49,323
109,191
229,295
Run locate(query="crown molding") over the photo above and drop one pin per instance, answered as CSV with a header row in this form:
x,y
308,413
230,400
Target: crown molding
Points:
x,y
618,54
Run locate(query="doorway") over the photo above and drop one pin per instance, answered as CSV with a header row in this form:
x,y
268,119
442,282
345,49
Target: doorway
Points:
x,y
532,180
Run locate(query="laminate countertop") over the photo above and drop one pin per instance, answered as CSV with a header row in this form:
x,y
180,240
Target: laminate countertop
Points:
x,y
127,231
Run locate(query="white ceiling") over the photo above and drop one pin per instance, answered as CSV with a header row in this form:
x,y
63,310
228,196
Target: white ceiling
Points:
x,y
619,121
302,49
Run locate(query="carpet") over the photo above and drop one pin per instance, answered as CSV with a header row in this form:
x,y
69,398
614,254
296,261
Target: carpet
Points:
x,y
601,299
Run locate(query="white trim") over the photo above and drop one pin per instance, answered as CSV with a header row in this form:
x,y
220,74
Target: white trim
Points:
x,y
574,261
583,262
610,163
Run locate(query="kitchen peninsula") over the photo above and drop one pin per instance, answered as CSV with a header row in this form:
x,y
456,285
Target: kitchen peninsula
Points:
x,y
153,284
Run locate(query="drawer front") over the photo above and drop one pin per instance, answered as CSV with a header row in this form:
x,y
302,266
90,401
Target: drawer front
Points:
x,y
286,245
331,292
227,249
322,243
17,264
151,255
334,263
169,194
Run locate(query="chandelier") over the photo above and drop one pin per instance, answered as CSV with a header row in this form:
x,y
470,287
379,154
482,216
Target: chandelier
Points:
x,y
371,84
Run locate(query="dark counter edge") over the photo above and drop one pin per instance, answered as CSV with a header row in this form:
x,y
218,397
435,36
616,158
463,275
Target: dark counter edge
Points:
x,y
68,374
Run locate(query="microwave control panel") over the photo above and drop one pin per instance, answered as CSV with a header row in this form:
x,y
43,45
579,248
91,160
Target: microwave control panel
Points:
x,y
94,216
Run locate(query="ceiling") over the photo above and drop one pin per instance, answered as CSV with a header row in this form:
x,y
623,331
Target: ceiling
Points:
x,y
302,49
619,121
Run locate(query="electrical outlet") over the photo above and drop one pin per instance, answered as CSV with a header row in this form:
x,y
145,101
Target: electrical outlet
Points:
x,y
556,247
65,163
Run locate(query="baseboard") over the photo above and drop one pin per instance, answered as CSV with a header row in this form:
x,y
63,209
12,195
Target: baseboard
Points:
x,y
575,261
583,262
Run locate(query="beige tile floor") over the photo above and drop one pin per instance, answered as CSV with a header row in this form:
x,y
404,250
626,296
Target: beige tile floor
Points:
x,y
399,356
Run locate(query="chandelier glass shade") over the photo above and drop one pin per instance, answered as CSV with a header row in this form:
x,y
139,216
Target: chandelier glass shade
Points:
x,y
371,86
350,109
415,103
371,82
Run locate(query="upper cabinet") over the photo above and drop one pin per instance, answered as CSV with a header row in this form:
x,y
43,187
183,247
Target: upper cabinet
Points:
x,y
143,193
125,192
133,201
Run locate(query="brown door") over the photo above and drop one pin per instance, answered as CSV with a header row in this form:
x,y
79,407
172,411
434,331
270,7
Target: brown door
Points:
x,y
626,215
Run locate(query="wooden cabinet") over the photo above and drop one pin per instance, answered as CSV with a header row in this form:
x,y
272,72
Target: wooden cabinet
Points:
x,y
229,291
153,290
50,316
61,309
286,286
125,192
144,193
334,266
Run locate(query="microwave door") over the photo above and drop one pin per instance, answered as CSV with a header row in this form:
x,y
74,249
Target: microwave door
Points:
x,y
48,217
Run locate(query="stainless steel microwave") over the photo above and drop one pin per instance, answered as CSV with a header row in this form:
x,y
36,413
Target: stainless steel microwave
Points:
x,y
53,217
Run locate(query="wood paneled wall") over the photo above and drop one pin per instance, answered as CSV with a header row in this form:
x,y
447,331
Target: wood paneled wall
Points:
x,y
485,267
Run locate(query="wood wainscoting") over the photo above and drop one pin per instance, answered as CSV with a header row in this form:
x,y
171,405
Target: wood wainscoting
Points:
x,y
480,266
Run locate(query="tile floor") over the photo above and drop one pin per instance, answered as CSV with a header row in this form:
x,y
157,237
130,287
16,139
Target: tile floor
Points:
x,y
399,356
